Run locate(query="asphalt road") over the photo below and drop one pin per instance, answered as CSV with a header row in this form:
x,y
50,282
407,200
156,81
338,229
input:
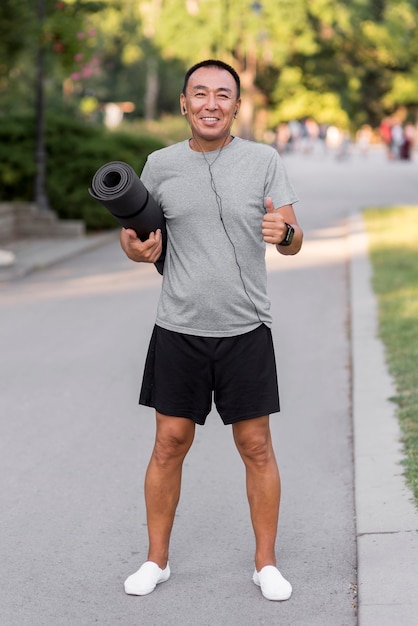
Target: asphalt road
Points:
x,y
74,443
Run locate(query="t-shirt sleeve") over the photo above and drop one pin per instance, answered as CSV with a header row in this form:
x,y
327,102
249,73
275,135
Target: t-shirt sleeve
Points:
x,y
277,185
146,177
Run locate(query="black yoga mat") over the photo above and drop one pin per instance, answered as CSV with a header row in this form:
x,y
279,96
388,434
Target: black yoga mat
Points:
x,y
118,188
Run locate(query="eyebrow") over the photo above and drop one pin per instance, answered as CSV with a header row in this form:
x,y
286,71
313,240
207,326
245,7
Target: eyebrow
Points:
x,y
197,87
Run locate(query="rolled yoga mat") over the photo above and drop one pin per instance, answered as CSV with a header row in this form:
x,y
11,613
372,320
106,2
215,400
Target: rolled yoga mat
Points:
x,y
118,188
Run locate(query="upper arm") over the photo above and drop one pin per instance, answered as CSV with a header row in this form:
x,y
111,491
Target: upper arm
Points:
x,y
288,213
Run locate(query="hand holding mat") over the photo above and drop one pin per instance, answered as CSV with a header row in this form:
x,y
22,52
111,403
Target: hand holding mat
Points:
x,y
118,188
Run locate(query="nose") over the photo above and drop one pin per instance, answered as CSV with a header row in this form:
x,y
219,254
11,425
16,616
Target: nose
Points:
x,y
211,101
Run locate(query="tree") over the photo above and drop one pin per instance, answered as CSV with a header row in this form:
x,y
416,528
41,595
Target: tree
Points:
x,y
252,36
344,63
13,47
53,30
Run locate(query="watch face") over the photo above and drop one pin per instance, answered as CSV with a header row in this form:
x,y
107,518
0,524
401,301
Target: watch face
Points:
x,y
289,236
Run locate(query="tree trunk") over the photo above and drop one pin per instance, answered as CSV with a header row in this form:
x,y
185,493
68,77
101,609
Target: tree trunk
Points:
x,y
41,199
151,89
246,112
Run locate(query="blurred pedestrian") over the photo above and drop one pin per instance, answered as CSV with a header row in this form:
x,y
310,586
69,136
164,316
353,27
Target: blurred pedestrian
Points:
x,y
385,130
282,137
363,139
397,139
408,143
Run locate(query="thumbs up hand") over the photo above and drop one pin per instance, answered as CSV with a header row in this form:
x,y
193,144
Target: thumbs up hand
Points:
x,y
273,227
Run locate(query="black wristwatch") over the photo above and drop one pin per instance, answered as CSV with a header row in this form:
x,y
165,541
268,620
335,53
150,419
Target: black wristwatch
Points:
x,y
288,238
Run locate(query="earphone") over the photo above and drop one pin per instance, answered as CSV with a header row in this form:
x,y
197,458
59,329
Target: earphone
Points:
x,y
220,209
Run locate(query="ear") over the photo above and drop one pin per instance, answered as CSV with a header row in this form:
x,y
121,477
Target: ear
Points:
x,y
183,105
237,107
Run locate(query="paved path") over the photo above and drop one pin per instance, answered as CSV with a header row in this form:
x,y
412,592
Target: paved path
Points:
x,y
75,445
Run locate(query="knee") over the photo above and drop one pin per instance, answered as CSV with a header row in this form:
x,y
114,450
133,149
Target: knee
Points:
x,y
171,446
256,450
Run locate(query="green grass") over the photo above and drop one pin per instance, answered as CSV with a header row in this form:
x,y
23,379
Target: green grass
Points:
x,y
393,237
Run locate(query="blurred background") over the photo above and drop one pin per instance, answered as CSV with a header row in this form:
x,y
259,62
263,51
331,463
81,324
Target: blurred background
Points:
x,y
83,82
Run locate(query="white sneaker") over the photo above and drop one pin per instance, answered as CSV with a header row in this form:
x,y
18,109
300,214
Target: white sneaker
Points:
x,y
146,579
273,585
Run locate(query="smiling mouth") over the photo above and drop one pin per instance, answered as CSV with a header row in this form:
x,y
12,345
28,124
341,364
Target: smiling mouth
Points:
x,y
210,119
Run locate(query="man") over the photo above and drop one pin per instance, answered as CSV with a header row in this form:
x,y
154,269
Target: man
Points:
x,y
224,199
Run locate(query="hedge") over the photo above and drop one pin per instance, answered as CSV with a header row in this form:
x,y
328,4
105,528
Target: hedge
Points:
x,y
75,150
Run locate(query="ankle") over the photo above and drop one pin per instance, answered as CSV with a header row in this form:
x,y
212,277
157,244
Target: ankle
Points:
x,y
261,562
157,557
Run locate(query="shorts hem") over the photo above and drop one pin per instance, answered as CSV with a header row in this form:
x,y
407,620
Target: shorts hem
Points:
x,y
201,421
250,416
185,415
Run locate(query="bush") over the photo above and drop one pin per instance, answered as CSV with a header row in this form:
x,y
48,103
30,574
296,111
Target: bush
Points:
x,y
75,151
17,166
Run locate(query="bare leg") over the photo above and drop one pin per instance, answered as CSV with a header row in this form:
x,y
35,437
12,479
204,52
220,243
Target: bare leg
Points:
x,y
253,440
173,439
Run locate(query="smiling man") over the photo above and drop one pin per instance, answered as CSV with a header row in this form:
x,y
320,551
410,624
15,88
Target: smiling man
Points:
x,y
224,199
211,100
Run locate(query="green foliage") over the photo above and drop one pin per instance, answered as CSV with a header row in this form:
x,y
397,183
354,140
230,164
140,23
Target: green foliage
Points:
x,y
394,257
75,151
17,165
343,63
339,62
168,129
13,39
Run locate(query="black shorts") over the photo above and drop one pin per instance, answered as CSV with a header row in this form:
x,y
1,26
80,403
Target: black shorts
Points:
x,y
183,371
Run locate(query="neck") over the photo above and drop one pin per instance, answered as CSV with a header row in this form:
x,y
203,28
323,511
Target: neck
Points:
x,y
209,146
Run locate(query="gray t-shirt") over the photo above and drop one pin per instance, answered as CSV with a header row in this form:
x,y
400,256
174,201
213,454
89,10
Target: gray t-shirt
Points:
x,y
214,282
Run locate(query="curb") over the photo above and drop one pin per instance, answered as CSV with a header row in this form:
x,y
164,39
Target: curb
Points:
x,y
386,517
32,255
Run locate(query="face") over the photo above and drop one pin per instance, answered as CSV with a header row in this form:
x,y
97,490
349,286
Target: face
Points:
x,y
211,103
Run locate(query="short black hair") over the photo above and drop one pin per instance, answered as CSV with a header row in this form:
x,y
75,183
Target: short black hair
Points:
x,y
213,63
